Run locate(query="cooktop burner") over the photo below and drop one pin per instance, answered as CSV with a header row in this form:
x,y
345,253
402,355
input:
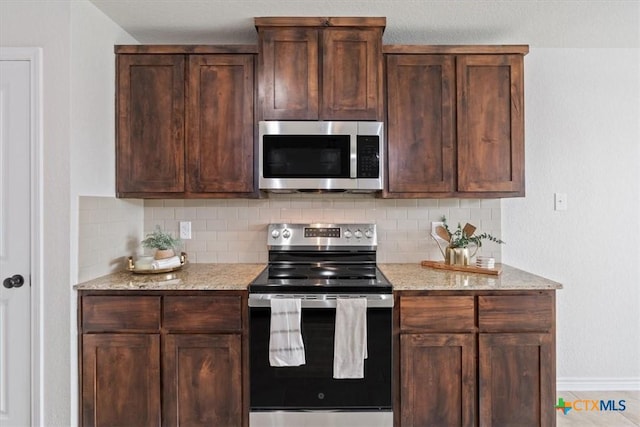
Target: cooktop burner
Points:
x,y
315,279
322,272
321,258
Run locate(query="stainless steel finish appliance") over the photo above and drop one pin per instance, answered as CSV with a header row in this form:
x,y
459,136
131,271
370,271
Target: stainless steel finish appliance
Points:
x,y
321,156
320,263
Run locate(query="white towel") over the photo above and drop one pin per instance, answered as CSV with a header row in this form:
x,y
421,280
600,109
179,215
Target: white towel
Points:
x,y
161,264
285,341
350,342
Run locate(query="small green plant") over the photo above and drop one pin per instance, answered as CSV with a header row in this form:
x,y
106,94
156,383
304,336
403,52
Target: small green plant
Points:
x,y
161,240
460,239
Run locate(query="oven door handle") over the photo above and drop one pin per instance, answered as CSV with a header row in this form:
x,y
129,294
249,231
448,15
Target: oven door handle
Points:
x,y
321,300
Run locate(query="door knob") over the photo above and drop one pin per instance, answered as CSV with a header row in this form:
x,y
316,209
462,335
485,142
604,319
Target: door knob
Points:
x,y
13,282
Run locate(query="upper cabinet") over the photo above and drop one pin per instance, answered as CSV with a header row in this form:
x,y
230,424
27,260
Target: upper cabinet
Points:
x,y
187,115
455,121
185,121
320,68
150,124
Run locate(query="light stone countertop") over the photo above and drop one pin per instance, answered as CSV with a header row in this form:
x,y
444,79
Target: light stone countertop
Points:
x,y
414,277
404,277
195,277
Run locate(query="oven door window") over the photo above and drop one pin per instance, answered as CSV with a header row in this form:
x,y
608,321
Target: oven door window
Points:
x,y
306,156
312,386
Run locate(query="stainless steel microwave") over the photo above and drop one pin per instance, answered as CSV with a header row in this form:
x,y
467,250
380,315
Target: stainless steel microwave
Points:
x,y
321,156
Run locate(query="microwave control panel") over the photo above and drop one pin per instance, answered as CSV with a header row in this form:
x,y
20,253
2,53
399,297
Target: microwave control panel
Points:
x,y
368,156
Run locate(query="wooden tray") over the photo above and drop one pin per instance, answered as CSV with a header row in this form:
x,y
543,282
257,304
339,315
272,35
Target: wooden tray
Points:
x,y
464,268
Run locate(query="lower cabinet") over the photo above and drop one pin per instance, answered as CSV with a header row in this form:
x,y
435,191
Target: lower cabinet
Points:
x,y
202,380
444,367
515,382
162,358
120,380
475,358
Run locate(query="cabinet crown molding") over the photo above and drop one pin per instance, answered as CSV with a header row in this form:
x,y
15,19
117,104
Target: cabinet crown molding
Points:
x,y
170,49
408,49
342,21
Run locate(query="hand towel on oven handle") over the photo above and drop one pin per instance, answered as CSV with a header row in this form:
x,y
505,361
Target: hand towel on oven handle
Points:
x,y
285,340
350,341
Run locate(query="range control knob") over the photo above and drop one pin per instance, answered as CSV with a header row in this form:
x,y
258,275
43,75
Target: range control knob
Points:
x,y
347,234
358,234
368,233
286,233
275,233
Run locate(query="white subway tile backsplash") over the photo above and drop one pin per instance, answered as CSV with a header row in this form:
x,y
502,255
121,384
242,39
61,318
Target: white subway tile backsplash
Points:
x,y
109,230
216,225
160,213
448,203
235,230
490,203
469,203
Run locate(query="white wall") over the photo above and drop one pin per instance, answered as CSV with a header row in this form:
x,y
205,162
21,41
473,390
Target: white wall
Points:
x,y
77,42
92,153
582,138
47,24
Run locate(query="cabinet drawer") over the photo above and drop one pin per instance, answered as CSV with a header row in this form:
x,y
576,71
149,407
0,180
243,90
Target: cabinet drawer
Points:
x,y
518,313
437,313
202,313
120,313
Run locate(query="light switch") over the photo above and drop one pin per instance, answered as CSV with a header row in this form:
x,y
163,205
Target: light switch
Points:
x,y
560,201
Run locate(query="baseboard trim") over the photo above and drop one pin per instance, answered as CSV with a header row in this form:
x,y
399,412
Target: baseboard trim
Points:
x,y
598,384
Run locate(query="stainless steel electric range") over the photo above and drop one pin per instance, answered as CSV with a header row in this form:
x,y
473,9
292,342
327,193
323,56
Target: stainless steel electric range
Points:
x,y
320,264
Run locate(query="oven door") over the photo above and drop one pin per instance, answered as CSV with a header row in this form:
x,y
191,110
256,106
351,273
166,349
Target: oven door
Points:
x,y
312,386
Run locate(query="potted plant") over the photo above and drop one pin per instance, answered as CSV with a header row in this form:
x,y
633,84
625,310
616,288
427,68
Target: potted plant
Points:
x,y
163,242
457,251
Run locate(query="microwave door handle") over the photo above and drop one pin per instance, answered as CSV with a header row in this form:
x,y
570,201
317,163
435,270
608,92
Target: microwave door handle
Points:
x,y
354,156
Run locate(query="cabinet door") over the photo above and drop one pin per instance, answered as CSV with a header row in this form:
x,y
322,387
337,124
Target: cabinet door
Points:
x,y
437,380
289,74
351,74
220,124
120,380
202,380
517,379
490,123
150,124
421,124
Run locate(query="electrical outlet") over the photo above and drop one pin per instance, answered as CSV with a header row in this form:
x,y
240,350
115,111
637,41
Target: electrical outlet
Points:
x,y
560,201
435,224
185,229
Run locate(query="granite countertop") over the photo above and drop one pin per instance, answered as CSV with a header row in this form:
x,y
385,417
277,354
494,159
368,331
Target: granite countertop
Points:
x,y
196,277
404,277
414,277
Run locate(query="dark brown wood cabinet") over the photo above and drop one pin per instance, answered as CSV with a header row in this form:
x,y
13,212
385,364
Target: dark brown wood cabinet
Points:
x,y
516,346
185,121
320,68
120,379
455,121
163,358
437,373
150,124
202,383
475,358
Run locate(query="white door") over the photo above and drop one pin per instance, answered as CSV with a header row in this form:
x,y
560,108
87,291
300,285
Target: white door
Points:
x,y
15,296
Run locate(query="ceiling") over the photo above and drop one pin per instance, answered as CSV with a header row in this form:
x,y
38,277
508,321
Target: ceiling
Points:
x,y
539,23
